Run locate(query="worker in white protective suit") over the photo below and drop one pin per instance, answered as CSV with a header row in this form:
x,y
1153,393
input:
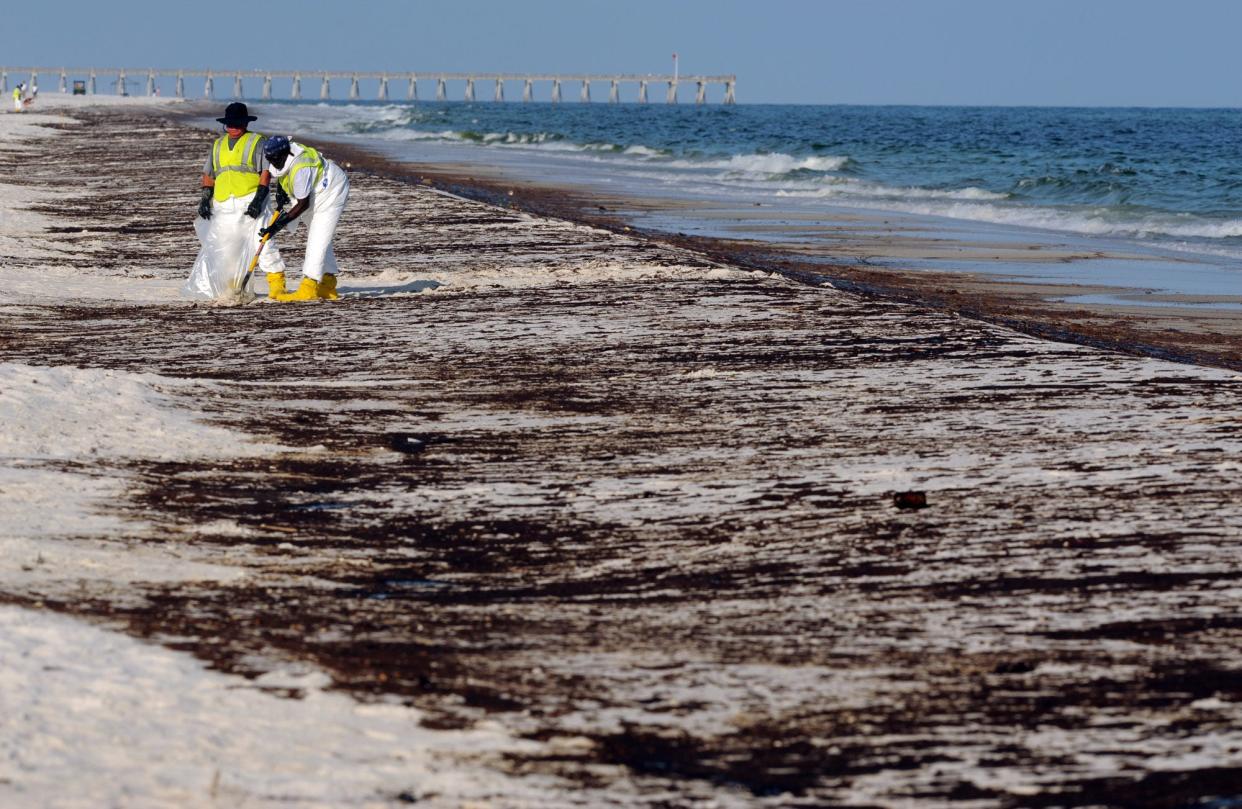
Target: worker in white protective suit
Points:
x,y
235,188
319,189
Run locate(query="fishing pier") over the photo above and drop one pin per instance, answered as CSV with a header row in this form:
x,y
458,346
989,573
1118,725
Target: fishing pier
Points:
x,y
118,80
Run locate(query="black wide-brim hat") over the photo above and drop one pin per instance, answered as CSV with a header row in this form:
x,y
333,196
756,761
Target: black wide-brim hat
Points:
x,y
236,113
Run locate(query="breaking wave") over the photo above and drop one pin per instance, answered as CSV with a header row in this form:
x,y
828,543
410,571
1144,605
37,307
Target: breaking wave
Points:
x,y
766,164
1088,221
846,188
1147,175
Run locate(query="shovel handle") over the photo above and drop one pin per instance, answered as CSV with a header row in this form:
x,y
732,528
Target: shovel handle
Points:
x,y
254,262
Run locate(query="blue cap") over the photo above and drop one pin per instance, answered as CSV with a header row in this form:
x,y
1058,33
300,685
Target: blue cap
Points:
x,y
275,145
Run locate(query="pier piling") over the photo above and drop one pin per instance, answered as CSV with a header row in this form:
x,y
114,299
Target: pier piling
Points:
x,y
702,83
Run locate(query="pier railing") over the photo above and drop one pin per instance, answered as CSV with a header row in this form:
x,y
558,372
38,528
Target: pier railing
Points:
x,y
119,79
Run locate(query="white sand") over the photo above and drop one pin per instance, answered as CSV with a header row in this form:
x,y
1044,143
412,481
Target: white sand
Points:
x,y
93,718
23,233
69,434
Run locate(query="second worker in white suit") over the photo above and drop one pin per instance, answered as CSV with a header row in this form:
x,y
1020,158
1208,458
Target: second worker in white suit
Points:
x,y
319,189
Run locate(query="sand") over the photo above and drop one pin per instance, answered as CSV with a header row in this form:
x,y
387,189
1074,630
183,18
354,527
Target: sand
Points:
x,y
584,519
864,252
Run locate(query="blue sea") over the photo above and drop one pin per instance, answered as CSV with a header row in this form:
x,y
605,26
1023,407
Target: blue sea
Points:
x,y
1162,184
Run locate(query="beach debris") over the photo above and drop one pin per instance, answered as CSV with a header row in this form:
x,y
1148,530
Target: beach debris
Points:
x,y
413,443
1019,666
409,444
910,500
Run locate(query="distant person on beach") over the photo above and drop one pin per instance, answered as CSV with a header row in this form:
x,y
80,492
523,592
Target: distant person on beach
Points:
x,y
235,188
319,188
17,97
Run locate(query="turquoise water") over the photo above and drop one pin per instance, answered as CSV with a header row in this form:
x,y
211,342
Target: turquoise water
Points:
x,y
1171,173
1167,181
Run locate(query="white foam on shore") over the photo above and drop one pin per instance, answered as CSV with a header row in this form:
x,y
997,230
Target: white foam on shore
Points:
x,y
93,718
775,163
971,204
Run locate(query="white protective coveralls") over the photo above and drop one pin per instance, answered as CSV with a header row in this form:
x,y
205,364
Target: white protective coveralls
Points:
x,y
323,212
229,239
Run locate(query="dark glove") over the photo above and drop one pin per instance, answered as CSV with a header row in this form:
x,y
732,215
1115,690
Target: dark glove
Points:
x,y
282,199
256,204
277,226
204,202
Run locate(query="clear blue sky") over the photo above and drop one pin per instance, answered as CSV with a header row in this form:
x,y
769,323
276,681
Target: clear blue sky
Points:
x,y
1071,52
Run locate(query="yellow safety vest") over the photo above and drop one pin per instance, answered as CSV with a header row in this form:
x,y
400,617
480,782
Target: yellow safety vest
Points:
x,y
308,157
237,169
17,92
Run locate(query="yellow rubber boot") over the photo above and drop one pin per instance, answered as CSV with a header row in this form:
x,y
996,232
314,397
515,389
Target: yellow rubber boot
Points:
x,y
275,285
327,288
307,291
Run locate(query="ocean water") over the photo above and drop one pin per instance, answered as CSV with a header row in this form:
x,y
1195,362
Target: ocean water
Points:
x,y
1164,182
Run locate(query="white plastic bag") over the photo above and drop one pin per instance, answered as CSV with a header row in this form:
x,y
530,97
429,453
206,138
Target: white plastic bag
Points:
x,y
229,241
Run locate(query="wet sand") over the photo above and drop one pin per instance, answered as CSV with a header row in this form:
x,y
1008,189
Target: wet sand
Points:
x,y
1204,335
647,520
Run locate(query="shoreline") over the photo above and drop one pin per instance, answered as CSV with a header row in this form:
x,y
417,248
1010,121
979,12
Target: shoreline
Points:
x,y
1092,316
625,517
1210,338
